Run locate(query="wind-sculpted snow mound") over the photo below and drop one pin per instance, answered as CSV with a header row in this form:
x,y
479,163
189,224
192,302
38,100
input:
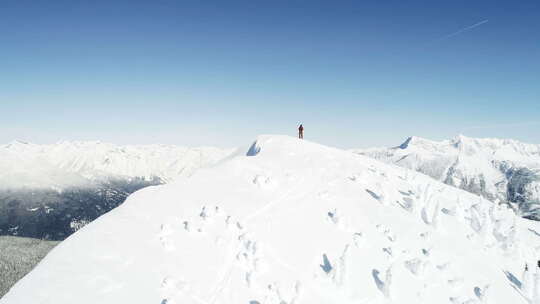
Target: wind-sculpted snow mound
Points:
x,y
296,222
501,170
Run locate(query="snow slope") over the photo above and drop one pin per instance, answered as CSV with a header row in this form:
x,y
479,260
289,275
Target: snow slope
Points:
x,y
78,163
501,170
292,222
49,191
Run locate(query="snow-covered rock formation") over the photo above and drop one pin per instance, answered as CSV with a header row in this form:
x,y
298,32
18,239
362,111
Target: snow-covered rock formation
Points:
x,y
501,170
293,222
50,191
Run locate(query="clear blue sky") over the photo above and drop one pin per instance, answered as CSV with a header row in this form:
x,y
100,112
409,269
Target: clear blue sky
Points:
x,y
356,73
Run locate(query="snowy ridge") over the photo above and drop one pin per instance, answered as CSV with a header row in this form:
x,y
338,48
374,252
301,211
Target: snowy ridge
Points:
x,y
288,222
79,163
501,170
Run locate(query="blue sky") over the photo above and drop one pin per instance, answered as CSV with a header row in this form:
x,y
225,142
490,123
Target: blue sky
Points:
x,y
356,73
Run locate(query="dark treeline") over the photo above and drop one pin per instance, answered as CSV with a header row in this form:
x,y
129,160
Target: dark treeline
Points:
x,y
54,215
518,181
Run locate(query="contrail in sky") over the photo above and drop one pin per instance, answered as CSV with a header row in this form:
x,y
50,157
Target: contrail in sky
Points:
x,y
463,30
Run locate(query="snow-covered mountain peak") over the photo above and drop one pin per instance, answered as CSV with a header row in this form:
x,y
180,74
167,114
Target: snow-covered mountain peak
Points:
x,y
291,221
17,145
18,142
508,149
499,169
285,146
27,165
415,142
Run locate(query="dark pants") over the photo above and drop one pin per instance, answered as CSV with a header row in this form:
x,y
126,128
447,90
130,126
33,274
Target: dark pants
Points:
x,y
301,134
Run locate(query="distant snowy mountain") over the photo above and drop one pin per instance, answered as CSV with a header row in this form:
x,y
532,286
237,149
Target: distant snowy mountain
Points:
x,y
293,222
50,191
69,164
501,170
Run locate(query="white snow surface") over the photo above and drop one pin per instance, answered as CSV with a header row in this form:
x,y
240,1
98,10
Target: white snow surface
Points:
x,y
294,222
80,163
475,164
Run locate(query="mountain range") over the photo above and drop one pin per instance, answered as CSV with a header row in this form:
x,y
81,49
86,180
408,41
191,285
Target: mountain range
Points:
x,y
50,191
501,170
289,221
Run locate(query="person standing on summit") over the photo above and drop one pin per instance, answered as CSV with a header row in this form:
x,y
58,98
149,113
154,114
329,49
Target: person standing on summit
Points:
x,y
301,132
